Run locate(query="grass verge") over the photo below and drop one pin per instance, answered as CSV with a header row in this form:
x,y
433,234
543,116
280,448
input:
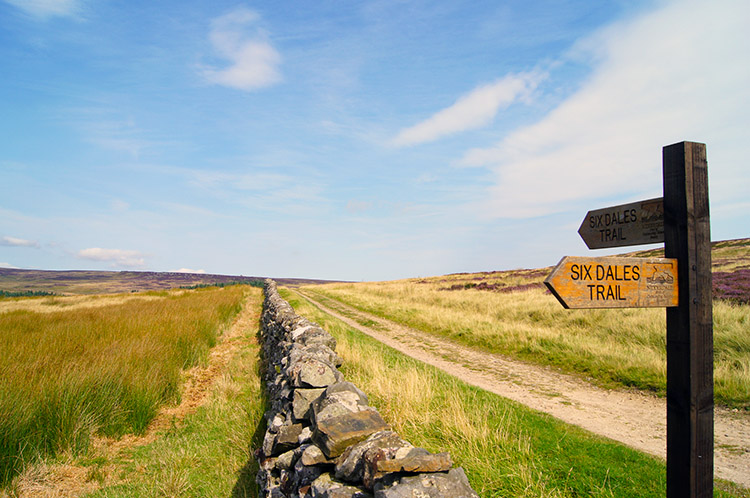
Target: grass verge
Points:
x,y
71,374
210,453
207,452
505,448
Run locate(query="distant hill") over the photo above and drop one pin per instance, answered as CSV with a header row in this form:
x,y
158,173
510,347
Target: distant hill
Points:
x,y
105,282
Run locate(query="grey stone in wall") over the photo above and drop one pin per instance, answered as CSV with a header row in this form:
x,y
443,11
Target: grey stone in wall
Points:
x,y
302,400
452,483
286,439
416,460
314,456
351,465
326,486
334,434
311,372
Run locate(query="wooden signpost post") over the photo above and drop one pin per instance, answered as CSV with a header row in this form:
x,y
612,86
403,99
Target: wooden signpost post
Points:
x,y
681,282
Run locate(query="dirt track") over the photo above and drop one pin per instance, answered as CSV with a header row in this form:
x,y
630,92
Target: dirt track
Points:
x,y
630,417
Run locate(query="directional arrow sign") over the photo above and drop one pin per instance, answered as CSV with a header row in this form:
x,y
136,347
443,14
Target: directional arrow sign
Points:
x,y
640,222
614,282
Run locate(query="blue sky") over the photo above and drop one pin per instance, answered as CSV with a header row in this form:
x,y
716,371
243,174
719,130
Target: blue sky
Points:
x,y
357,141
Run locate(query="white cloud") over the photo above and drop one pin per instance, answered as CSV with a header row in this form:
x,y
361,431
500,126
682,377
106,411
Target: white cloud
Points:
x,y
188,270
16,242
47,8
473,110
674,74
118,257
7,265
252,60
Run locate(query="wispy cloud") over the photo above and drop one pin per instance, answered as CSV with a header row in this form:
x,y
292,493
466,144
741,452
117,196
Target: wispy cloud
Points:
x,y
47,8
670,75
118,257
252,62
107,127
7,265
473,110
16,242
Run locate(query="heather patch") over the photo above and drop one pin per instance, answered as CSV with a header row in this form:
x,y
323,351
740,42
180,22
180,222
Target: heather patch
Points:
x,y
498,287
732,285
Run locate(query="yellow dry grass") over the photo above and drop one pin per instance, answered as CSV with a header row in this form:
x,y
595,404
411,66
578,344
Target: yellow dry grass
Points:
x,y
52,304
626,347
87,370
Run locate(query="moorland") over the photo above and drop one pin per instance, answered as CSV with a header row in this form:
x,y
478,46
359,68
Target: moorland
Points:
x,y
156,392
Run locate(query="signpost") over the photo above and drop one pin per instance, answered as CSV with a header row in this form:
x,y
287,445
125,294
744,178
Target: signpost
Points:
x,y
680,282
614,282
632,224
690,367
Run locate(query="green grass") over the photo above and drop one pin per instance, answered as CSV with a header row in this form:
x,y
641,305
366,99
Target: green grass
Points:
x,y
505,448
67,375
210,453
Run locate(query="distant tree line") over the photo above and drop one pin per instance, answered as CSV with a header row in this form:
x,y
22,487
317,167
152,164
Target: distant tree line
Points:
x,y
4,293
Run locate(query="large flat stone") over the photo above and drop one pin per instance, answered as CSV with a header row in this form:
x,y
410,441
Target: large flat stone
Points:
x,y
337,400
326,486
351,464
452,484
417,460
334,434
311,372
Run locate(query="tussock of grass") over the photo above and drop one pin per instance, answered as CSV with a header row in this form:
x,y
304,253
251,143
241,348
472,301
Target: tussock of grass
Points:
x,y
70,374
615,347
210,454
505,448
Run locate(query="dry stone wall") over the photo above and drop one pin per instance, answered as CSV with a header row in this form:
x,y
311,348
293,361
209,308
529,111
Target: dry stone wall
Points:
x,y
323,439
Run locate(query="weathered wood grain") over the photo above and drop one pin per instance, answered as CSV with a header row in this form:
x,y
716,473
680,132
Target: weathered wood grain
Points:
x,y
687,236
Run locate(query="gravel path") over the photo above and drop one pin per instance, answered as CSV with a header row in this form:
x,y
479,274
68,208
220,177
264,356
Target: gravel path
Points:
x,y
633,418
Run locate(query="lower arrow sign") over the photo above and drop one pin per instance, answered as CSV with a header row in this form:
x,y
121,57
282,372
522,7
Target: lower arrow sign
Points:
x,y
614,282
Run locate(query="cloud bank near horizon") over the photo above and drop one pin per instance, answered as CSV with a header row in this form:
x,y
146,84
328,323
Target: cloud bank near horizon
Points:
x,y
117,257
16,242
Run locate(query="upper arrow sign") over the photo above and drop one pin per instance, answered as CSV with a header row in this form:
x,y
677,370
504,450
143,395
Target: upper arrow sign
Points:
x,y
632,224
614,282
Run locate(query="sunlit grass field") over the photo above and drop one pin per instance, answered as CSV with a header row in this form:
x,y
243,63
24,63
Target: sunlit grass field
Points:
x,y
103,369
211,452
512,313
505,448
